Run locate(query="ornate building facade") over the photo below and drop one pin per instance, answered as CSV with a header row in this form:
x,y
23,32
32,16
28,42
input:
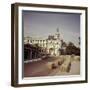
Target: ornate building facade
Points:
x,y
51,45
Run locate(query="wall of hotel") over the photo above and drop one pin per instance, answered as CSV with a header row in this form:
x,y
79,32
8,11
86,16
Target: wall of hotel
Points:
x,y
33,52
47,44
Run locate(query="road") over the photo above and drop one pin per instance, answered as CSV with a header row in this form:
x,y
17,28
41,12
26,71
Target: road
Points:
x,y
39,68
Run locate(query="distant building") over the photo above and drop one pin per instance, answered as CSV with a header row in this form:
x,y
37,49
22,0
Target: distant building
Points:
x,y
52,44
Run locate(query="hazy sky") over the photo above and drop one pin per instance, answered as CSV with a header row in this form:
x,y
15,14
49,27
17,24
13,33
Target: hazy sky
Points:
x,y
42,24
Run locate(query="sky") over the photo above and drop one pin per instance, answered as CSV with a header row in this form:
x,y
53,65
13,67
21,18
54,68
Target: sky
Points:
x,y
41,24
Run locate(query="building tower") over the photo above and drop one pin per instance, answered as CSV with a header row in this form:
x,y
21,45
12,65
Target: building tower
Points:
x,y
57,34
58,42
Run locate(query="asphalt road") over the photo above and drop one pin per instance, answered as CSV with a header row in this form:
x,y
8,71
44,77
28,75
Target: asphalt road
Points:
x,y
39,68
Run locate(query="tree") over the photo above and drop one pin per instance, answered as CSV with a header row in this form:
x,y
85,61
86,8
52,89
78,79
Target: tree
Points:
x,y
79,40
63,44
63,47
71,44
72,49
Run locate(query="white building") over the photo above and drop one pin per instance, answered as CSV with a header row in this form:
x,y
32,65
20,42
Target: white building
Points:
x,y
52,43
